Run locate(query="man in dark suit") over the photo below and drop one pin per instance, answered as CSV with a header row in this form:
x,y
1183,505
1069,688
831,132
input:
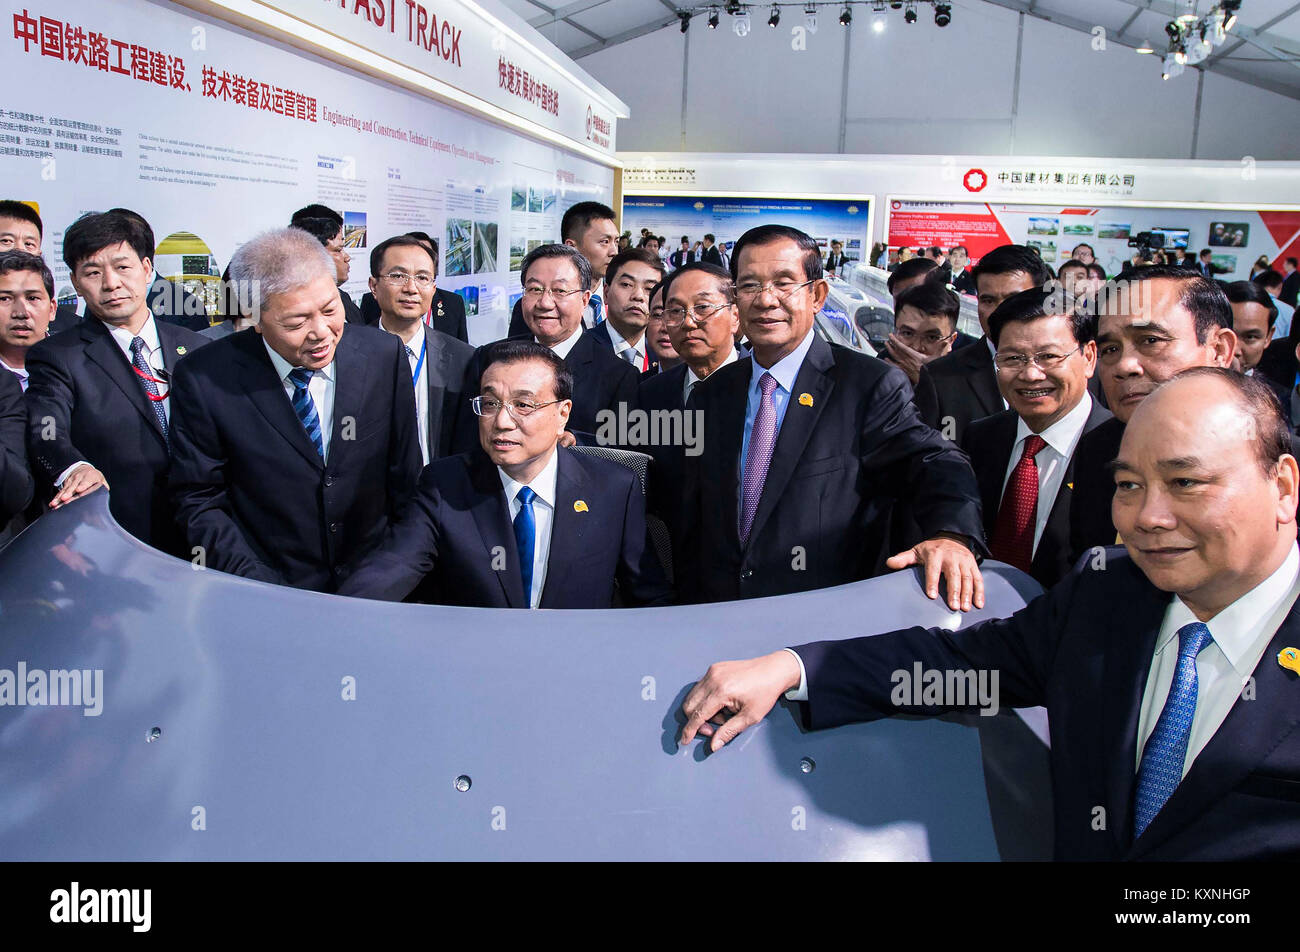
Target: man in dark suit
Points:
x,y
710,254
26,309
961,387
326,226
702,320
925,325
682,256
1140,657
629,279
401,283
1290,292
1254,316
659,340
447,310
1024,457
806,448
21,230
519,522
1160,322
835,257
556,280
294,442
98,395
590,228
16,484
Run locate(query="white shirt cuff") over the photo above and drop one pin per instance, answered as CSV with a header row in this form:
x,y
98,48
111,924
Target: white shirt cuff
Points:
x,y
801,692
58,483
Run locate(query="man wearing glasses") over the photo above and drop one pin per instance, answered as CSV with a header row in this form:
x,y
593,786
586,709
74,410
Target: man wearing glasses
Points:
x,y
402,280
522,522
807,447
1024,457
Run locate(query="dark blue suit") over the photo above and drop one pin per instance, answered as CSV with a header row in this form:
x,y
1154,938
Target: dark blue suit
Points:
x,y
16,484
247,483
84,395
663,392
458,527
1084,651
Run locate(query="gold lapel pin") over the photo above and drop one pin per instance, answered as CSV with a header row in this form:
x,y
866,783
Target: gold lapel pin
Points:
x,y
1289,658
579,506
181,350
1071,486
805,400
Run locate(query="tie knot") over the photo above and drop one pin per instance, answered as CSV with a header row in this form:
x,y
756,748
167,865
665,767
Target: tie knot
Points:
x,y
137,345
409,352
767,383
301,376
525,496
1192,638
1034,444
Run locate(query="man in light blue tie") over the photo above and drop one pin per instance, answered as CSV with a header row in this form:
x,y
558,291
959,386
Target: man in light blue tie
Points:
x,y
1170,668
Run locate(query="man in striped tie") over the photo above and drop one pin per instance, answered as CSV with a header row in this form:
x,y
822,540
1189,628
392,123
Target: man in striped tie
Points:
x,y
1170,668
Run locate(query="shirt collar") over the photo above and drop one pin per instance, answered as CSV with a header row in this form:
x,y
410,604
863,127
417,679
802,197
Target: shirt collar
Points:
x,y
620,342
20,371
1236,628
283,368
1063,435
543,484
148,333
562,349
692,378
785,369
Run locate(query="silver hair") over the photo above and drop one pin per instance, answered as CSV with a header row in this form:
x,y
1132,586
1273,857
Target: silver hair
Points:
x,y
559,251
276,261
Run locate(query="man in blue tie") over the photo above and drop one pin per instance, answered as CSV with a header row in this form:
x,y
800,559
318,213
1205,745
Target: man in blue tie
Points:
x,y
520,522
1170,668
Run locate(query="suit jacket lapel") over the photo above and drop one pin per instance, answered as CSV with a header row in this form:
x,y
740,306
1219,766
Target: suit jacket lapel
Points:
x,y
435,368
172,349
568,527
102,349
726,405
266,391
1252,729
814,378
491,514
995,463
351,375
983,381
1058,520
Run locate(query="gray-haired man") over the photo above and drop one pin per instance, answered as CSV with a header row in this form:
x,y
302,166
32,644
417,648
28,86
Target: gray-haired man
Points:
x,y
294,443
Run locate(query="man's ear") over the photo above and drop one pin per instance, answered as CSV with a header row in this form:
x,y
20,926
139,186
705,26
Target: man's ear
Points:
x,y
1224,343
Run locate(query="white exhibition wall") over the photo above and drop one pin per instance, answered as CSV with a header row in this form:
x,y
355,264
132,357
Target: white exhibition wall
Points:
x,y
920,89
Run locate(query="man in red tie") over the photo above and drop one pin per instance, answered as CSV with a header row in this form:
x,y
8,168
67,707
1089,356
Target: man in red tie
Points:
x,y
1024,457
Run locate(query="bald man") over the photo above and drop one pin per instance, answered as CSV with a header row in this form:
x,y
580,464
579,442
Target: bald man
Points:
x,y
1141,655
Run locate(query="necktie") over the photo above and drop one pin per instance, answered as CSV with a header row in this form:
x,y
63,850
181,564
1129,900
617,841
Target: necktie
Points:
x,y
597,310
305,408
145,372
762,438
630,356
525,535
1161,769
1013,534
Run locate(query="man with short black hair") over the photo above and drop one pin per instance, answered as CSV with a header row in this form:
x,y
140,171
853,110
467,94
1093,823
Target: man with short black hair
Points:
x,y
591,228
1290,292
1083,254
629,279
326,226
835,259
683,256
21,230
1271,282
26,308
446,313
711,254
99,395
569,528
959,270
908,275
962,386
925,326
1207,267
169,299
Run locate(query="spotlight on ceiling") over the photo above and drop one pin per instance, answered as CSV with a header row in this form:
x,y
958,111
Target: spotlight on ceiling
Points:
x,y
1230,11
741,24
713,19
846,16
1173,29
896,4
942,14
685,17
775,18
910,15
1145,47
810,17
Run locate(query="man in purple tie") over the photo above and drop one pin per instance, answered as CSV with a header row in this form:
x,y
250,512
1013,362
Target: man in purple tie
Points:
x,y
807,447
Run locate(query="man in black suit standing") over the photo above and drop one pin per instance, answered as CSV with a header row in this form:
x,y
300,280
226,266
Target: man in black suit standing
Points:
x,y
447,310
294,441
26,309
682,256
1141,657
557,282
629,279
590,228
702,320
16,484
806,448
961,387
710,254
98,395
520,522
835,257
21,230
1253,318
401,283
326,226
1024,457
1161,321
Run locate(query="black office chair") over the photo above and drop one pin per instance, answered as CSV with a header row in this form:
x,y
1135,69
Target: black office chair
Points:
x,y
639,463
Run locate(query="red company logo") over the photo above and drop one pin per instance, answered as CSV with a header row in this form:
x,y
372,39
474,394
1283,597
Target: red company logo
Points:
x,y
895,205
588,122
975,180
598,130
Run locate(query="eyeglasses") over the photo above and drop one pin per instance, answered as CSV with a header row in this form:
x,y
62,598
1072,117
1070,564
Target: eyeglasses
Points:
x,y
398,279
702,313
560,294
519,409
907,335
782,289
1015,363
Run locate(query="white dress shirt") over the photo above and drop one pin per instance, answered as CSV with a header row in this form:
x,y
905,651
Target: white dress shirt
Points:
x,y
562,349
417,344
1241,633
320,389
19,372
622,346
543,518
691,379
1053,459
